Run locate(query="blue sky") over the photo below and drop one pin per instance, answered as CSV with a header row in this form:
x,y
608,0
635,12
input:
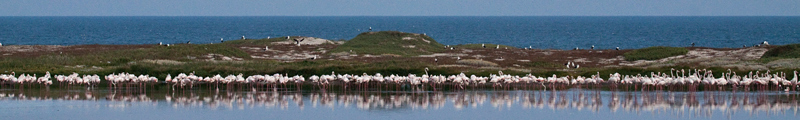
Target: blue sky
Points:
x,y
399,8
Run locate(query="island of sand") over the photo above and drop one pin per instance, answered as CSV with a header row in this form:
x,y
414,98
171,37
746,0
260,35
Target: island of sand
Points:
x,y
381,52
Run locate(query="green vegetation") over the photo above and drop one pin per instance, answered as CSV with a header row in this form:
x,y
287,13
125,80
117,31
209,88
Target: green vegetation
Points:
x,y
476,62
541,64
390,42
115,58
781,52
654,53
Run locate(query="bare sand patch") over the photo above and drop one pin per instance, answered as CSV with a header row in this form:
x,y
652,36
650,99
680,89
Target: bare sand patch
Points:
x,y
306,41
163,62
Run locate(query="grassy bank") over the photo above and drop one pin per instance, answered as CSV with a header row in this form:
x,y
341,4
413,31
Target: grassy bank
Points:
x,y
390,42
790,51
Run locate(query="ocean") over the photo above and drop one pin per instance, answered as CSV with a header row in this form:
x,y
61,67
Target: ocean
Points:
x,y
536,32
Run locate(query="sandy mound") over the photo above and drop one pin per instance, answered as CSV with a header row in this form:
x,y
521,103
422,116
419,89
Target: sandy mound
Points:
x,y
305,41
735,58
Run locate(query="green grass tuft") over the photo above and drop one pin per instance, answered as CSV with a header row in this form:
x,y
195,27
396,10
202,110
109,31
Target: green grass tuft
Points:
x,y
476,62
390,42
654,53
781,52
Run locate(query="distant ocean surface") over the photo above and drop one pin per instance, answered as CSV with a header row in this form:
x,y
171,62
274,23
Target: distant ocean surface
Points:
x,y
538,32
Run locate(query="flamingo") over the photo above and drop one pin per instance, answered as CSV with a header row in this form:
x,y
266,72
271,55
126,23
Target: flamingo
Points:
x,y
794,81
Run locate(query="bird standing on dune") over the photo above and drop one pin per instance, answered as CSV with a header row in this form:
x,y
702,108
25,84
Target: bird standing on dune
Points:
x,y
243,37
592,47
297,41
221,40
370,28
617,48
568,64
484,45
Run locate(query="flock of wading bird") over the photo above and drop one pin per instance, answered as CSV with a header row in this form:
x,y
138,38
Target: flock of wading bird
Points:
x,y
690,80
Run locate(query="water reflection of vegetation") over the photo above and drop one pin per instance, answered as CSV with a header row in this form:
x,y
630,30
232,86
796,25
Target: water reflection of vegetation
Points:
x,y
677,103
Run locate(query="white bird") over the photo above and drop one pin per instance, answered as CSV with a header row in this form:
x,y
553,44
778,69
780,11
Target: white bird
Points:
x,y
458,58
568,64
484,45
221,40
159,43
617,48
435,60
592,47
243,37
498,47
370,28
266,48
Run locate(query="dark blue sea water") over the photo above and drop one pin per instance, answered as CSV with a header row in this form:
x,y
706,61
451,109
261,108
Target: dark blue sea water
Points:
x,y
538,32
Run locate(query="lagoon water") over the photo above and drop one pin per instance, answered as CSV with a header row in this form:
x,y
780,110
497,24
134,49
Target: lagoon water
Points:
x,y
537,32
473,104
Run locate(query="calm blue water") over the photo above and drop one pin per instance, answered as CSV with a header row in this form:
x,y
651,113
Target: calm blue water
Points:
x,y
503,105
538,32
